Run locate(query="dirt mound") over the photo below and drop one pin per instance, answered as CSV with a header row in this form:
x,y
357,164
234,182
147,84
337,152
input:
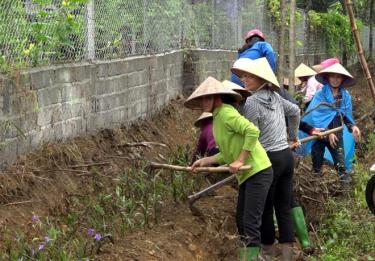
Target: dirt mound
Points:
x,y
42,182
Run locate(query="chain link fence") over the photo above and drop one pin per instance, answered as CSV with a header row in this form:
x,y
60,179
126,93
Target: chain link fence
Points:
x,y
37,32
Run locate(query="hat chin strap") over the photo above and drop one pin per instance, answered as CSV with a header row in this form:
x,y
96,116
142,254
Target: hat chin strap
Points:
x,y
265,84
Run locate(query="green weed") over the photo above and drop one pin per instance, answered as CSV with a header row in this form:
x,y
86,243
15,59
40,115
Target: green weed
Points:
x,y
348,231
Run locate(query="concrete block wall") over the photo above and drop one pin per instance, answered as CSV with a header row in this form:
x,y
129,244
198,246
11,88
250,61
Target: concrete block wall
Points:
x,y
55,103
199,64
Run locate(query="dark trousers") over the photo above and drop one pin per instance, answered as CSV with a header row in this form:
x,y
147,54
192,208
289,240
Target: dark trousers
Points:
x,y
279,197
250,205
293,200
317,153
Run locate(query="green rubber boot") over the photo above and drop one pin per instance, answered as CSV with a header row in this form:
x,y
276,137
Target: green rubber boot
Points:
x,y
300,228
249,253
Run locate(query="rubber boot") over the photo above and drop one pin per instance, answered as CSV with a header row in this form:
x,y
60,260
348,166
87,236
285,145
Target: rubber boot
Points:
x,y
286,251
267,252
301,229
249,253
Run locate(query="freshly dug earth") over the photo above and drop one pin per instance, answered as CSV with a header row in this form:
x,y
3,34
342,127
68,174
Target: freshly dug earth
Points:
x,y
183,236
44,182
41,181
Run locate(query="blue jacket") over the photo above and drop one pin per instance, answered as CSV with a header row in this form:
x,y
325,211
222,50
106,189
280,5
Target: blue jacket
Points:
x,y
258,50
323,116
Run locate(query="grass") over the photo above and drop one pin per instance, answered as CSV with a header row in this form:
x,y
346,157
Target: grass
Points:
x,y
348,230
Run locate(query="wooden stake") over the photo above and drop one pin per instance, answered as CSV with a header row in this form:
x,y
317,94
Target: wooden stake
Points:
x,y
362,59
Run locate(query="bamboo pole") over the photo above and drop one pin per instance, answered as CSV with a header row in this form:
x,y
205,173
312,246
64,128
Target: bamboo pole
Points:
x,y
221,169
362,59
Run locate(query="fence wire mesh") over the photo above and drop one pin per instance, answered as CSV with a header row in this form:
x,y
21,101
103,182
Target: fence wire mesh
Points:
x,y
37,32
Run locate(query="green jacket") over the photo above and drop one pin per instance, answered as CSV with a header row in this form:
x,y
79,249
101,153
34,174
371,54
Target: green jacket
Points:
x,y
234,133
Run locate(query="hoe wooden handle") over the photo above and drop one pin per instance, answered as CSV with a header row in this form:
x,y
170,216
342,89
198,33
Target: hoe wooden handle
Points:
x,y
220,169
310,138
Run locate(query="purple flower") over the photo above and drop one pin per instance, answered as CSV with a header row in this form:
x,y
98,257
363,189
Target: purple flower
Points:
x,y
97,237
90,231
41,247
35,218
47,239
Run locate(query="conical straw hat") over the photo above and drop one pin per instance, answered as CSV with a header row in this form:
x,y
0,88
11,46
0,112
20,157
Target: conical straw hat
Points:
x,y
204,115
296,81
210,86
336,68
235,87
259,67
304,71
317,67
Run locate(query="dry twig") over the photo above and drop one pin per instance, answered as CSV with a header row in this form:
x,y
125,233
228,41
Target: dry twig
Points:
x,y
18,203
90,164
313,199
316,235
147,144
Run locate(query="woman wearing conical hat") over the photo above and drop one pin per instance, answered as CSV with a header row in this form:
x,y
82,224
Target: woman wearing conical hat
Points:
x,y
309,84
267,110
297,82
255,47
334,78
237,139
206,145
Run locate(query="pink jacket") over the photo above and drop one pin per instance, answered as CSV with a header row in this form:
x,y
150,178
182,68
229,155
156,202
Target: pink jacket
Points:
x,y
312,86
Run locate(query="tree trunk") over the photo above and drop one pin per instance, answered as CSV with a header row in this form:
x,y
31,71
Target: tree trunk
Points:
x,y
371,36
308,32
281,59
292,44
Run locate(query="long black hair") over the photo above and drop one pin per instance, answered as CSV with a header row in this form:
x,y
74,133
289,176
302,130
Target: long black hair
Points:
x,y
228,99
250,42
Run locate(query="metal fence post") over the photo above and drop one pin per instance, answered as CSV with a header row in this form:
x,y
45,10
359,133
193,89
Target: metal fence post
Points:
x,y
237,26
90,22
213,11
144,9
